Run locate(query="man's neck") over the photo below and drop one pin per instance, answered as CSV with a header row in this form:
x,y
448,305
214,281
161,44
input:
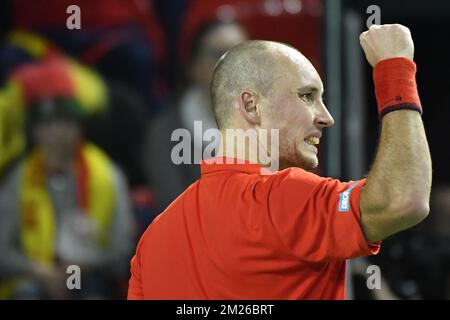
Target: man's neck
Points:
x,y
251,151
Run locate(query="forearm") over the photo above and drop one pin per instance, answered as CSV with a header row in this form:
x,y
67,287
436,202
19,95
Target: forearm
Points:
x,y
397,190
400,178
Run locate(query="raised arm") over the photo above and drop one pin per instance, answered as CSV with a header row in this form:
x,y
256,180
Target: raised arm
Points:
x,y
396,194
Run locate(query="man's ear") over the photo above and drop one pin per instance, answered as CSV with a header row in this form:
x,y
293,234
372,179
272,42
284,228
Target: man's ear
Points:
x,y
249,106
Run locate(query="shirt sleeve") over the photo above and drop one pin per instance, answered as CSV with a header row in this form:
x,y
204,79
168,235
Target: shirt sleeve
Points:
x,y
316,218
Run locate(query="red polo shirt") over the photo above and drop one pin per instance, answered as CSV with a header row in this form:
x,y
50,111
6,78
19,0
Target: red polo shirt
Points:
x,y
239,234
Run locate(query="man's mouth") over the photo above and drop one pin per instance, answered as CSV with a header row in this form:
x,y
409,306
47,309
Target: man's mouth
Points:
x,y
312,141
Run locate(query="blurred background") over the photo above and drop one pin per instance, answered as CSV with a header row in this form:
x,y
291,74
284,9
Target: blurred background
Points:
x,y
86,116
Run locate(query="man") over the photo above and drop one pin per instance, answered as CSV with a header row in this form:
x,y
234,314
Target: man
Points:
x,y
239,234
66,203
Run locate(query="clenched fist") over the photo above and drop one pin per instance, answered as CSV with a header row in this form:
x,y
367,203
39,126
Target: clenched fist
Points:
x,y
382,42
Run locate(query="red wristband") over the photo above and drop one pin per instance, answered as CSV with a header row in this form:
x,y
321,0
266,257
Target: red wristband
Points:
x,y
395,85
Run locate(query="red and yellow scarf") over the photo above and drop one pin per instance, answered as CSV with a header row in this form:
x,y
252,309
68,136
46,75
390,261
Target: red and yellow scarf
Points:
x,y
95,194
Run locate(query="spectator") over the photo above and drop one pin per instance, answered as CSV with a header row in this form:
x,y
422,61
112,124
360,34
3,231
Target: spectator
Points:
x,y
168,180
21,48
66,203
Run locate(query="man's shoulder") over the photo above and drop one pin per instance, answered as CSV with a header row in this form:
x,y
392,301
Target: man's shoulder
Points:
x,y
294,174
175,206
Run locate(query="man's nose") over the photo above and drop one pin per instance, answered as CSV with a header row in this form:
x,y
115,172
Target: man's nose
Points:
x,y
323,118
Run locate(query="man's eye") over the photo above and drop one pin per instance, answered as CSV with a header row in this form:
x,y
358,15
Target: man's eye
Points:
x,y
307,97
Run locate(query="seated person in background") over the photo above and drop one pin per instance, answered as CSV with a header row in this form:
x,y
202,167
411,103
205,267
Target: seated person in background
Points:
x,y
168,179
65,204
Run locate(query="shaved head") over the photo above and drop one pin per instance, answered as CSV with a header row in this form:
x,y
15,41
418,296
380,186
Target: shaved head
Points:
x,y
251,65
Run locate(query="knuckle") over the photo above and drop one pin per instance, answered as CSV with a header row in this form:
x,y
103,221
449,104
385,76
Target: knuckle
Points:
x,y
363,36
403,28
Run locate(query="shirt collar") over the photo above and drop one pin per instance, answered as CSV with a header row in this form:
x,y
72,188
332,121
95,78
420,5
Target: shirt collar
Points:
x,y
216,164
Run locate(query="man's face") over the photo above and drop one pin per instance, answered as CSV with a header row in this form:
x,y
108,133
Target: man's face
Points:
x,y
295,107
